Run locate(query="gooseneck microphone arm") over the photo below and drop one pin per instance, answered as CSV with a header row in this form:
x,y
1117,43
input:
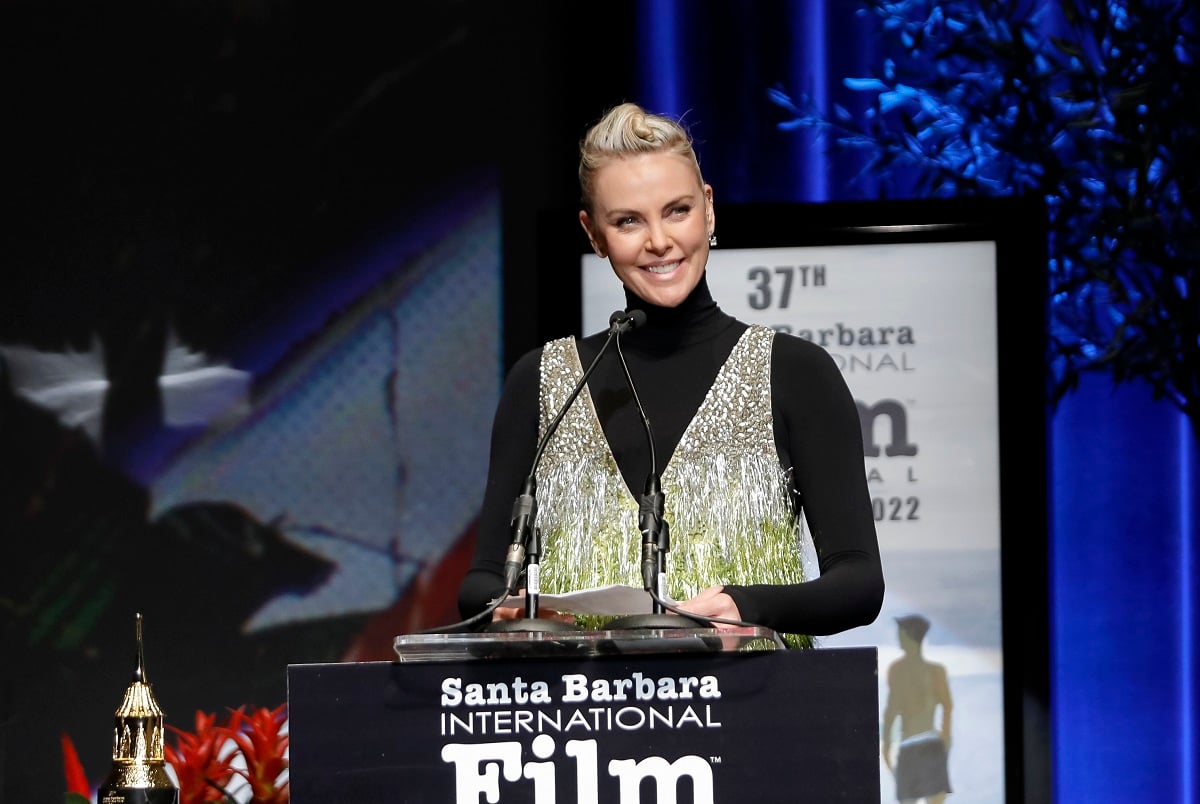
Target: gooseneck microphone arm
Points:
x,y
524,548
655,538
656,543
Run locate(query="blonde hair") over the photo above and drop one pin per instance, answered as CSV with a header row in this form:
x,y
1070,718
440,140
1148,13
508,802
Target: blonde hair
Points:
x,y
628,130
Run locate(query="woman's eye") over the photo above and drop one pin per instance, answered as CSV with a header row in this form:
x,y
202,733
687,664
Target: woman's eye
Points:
x,y
626,221
681,210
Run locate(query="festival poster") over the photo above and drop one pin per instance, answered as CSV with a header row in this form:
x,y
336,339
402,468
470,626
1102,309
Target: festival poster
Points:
x,y
913,328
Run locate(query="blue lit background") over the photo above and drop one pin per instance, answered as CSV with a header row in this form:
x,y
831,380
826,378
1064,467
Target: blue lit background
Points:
x,y
1123,465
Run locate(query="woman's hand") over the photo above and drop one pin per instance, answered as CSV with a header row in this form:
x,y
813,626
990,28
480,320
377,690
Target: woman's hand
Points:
x,y
518,613
713,602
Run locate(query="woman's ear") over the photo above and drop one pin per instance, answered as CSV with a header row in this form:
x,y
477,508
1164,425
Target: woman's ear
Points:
x,y
586,223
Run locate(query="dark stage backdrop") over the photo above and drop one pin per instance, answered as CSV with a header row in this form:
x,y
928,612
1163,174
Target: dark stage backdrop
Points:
x,y
250,329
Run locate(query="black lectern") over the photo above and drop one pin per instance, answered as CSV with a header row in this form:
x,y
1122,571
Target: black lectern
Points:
x,y
591,717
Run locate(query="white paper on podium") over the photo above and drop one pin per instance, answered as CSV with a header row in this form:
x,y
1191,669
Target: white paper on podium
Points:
x,y
617,599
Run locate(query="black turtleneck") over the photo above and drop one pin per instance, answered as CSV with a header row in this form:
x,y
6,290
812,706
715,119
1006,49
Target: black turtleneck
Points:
x,y
674,359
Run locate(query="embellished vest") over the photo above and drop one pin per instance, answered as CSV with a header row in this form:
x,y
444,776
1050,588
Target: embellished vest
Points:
x,y
728,502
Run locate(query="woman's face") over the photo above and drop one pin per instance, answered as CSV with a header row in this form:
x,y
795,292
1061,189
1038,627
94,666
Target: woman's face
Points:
x,y
651,218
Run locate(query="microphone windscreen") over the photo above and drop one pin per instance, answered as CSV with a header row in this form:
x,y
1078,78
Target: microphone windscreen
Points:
x,y
621,321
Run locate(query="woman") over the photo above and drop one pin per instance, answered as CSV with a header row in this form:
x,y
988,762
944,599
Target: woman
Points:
x,y
750,425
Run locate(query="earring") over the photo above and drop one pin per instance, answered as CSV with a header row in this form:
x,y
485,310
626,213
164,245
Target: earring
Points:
x,y
712,240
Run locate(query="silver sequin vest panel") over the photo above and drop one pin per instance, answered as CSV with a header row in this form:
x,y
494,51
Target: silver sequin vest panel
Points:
x,y
728,501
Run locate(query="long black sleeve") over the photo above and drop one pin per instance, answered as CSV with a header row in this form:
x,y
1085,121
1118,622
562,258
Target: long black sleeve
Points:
x,y
817,433
514,443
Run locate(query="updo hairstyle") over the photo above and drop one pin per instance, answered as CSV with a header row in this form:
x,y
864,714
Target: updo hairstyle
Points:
x,y
628,130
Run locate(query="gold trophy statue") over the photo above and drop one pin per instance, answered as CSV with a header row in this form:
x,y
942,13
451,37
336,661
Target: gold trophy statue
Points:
x,y
139,772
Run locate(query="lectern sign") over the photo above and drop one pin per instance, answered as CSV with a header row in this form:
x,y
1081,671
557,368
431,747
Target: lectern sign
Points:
x,y
772,726
577,703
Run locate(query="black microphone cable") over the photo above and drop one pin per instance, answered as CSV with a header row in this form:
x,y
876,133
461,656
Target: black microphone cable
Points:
x,y
523,527
656,541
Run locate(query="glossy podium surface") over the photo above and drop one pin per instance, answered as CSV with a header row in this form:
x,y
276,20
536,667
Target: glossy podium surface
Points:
x,y
455,647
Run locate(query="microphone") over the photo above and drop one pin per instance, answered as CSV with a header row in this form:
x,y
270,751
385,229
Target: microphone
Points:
x,y
655,536
650,521
656,543
524,513
525,507
650,504
621,322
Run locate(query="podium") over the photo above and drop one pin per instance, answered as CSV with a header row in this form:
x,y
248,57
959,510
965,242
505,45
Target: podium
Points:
x,y
588,717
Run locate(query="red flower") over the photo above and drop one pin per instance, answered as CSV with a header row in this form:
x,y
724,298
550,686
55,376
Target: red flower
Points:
x,y
202,760
76,779
264,746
